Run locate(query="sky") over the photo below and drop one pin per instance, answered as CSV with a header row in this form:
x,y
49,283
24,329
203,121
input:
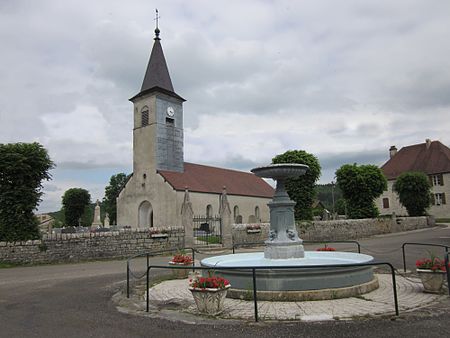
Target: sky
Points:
x,y
344,80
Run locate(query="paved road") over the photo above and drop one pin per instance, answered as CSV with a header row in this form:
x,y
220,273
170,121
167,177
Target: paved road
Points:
x,y
74,300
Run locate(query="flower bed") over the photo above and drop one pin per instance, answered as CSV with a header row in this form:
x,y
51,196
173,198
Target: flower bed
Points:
x,y
326,248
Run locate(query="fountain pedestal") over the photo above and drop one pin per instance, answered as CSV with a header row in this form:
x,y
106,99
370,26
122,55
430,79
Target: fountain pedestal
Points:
x,y
283,242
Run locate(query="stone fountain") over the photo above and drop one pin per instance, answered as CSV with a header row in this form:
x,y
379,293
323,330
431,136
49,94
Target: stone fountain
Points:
x,y
284,248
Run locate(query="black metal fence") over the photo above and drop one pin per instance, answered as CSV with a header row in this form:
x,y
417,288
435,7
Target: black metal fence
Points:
x,y
207,230
130,273
211,233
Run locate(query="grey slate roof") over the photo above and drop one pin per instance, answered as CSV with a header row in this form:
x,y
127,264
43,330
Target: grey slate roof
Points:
x,y
157,76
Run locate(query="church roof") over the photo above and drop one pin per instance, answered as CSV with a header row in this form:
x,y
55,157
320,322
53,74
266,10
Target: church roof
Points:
x,y
157,76
434,159
202,178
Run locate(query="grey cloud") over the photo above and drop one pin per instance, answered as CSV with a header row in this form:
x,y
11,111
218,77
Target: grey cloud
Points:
x,y
51,187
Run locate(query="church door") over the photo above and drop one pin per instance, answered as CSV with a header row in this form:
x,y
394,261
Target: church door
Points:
x,y
145,215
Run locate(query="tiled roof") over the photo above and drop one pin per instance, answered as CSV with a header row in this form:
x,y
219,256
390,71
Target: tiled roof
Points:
x,y
434,160
202,178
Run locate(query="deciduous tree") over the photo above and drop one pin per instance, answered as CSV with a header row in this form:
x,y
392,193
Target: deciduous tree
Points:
x,y
360,185
116,183
301,189
23,167
414,192
75,203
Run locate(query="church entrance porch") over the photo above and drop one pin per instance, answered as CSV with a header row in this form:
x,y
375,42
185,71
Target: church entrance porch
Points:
x,y
207,230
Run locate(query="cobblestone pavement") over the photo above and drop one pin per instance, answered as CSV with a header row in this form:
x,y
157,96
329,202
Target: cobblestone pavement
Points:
x,y
378,302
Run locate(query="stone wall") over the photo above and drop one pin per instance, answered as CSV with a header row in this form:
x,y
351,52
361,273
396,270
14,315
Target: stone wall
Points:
x,y
89,246
241,234
360,228
339,229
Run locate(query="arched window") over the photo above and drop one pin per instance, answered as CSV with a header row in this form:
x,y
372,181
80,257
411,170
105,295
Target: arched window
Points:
x,y
145,215
258,217
235,213
209,211
144,116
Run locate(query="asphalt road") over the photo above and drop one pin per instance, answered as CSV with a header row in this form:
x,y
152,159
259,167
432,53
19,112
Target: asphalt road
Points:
x,y
74,300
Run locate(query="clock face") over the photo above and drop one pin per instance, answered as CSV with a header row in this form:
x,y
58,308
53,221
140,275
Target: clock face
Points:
x,y
170,111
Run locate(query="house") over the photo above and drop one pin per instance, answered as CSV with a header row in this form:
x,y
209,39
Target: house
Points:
x,y
154,194
431,158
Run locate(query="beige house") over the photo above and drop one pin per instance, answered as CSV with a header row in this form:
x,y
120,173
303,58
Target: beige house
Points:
x,y
153,196
431,158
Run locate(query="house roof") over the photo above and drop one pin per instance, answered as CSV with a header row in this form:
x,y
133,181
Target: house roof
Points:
x,y
157,76
202,178
432,160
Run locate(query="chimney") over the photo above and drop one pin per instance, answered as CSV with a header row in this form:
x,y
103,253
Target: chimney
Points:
x,y
428,143
392,151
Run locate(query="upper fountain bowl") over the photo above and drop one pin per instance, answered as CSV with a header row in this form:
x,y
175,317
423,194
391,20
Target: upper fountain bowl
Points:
x,y
281,171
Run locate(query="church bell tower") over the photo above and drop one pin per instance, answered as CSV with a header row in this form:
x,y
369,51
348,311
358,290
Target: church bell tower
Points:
x,y
158,119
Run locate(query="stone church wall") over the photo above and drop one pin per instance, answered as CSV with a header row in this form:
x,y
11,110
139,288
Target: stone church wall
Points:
x,y
89,246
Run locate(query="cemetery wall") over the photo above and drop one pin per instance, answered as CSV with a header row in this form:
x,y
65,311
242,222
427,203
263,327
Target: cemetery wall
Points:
x,y
348,229
58,248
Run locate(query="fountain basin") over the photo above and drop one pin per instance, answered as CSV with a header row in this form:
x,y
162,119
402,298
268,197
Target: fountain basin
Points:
x,y
296,284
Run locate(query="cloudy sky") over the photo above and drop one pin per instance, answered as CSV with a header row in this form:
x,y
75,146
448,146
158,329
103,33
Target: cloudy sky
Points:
x,y
343,80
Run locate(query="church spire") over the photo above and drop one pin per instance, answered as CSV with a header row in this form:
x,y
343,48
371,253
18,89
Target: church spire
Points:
x,y
157,76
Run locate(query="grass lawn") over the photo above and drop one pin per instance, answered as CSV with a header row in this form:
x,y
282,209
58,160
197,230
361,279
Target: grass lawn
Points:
x,y
442,220
210,239
4,265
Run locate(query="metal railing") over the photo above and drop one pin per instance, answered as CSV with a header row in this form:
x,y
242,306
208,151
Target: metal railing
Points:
x,y
254,277
238,245
446,258
148,255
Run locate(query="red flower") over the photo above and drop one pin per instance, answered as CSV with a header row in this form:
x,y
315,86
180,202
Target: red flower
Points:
x,y
209,283
433,264
326,248
182,259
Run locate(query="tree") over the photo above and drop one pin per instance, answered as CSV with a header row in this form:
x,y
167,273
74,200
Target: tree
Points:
x,y
75,203
414,192
301,189
116,183
360,185
326,193
23,167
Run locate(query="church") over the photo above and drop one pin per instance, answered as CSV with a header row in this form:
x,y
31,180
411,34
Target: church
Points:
x,y
161,180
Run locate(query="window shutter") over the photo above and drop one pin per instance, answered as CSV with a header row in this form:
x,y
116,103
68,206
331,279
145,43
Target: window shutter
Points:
x,y
441,179
433,201
443,198
431,179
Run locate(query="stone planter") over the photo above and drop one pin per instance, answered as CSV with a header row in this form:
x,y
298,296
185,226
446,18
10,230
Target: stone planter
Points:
x,y
432,280
209,301
180,273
